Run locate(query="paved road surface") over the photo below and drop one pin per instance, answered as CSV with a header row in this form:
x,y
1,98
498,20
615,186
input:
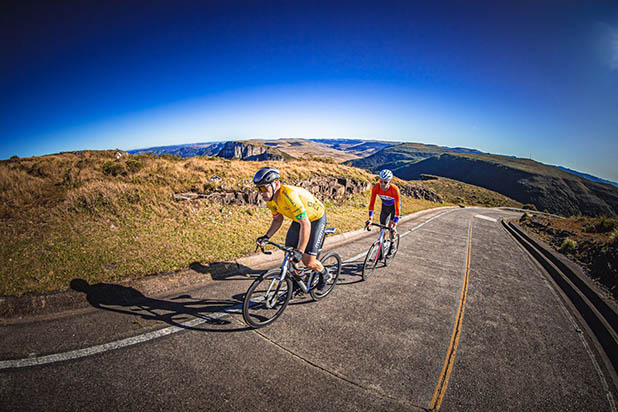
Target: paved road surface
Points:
x,y
462,320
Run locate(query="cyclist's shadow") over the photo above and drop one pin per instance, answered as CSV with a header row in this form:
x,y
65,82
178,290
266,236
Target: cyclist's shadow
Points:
x,y
182,311
351,273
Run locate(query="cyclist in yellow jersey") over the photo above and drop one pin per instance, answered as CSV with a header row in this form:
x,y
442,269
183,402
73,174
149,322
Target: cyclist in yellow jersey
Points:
x,y
306,232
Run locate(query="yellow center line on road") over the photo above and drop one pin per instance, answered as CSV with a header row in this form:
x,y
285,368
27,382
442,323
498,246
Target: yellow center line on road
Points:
x,y
438,395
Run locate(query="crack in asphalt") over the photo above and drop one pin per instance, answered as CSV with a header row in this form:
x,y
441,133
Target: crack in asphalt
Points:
x,y
339,376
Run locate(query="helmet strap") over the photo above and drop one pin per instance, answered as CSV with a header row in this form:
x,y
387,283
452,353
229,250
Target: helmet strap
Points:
x,y
272,186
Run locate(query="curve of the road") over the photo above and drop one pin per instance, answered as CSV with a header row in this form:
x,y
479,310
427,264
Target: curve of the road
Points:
x,y
462,319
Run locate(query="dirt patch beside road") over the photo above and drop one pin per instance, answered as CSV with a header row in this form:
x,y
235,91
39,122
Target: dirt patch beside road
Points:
x,y
591,242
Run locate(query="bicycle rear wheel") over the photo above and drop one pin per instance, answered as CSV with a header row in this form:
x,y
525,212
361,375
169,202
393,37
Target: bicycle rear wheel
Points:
x,y
331,261
371,260
394,248
266,299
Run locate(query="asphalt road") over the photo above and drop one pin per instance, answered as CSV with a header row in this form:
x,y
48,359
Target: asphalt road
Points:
x,y
461,320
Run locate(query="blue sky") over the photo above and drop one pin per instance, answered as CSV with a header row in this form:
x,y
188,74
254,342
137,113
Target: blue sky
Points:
x,y
527,78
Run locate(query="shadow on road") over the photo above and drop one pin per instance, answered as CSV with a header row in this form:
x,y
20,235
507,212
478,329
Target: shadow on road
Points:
x,y
181,309
224,270
175,311
351,273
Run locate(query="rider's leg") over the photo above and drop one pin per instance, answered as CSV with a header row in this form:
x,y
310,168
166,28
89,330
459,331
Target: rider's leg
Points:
x,y
310,255
314,245
312,262
386,218
291,238
392,233
313,249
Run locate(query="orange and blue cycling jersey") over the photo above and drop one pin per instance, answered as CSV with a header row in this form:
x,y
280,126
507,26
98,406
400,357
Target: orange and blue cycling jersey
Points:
x,y
390,197
296,203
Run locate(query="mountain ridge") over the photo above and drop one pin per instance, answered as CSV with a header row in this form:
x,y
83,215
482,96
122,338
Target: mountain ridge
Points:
x,y
586,176
554,188
525,180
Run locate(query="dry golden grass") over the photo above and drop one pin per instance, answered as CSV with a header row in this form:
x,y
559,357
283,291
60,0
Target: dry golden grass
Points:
x,y
63,217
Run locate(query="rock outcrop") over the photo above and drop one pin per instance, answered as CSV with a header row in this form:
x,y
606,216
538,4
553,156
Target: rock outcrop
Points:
x,y
247,151
326,188
418,192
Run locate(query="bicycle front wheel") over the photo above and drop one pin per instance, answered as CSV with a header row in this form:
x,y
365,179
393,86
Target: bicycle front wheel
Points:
x,y
394,249
371,260
332,262
266,299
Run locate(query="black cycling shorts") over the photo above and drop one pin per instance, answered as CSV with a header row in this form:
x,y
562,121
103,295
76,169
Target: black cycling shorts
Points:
x,y
387,214
315,238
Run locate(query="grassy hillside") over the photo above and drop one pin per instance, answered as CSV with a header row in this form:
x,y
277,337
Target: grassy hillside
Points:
x,y
360,148
92,216
453,191
524,180
397,156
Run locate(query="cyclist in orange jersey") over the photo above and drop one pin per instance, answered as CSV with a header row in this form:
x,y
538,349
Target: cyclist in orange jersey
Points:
x,y
389,194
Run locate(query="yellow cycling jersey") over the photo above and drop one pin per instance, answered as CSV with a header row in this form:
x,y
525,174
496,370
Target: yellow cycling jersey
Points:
x,y
296,203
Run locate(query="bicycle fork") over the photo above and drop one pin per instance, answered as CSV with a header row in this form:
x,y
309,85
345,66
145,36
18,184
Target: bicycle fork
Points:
x,y
271,299
270,296
382,242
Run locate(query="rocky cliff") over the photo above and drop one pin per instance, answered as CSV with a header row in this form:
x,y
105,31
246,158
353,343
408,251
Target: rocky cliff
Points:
x,y
248,151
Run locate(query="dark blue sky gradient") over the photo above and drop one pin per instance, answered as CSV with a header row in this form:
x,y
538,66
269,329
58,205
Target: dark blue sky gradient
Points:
x,y
526,78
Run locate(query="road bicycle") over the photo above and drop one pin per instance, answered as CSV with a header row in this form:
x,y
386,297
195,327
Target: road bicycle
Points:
x,y
379,249
270,293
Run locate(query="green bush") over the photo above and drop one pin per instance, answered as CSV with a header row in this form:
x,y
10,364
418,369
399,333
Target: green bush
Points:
x,y
529,206
568,245
602,225
111,168
134,165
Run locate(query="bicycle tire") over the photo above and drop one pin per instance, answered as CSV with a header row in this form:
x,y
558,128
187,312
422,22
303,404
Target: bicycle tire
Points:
x,y
396,244
254,311
332,261
371,260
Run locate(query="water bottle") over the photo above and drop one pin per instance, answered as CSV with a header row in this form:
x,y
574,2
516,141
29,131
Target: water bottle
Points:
x,y
300,274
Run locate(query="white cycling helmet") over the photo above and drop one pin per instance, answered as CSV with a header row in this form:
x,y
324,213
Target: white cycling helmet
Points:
x,y
386,175
266,175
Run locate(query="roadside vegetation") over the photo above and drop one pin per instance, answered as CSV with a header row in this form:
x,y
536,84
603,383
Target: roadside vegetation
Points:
x,y
94,216
591,242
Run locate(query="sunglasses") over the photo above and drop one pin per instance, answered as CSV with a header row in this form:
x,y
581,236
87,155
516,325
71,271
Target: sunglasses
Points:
x,y
262,189
384,182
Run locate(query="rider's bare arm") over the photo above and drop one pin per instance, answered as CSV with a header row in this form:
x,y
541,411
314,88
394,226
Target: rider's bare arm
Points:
x,y
397,205
372,201
275,225
305,231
